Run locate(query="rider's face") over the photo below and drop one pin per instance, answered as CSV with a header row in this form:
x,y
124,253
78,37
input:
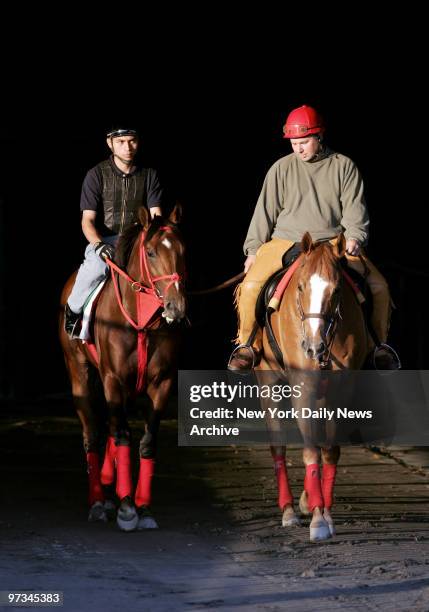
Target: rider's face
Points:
x,y
305,148
124,147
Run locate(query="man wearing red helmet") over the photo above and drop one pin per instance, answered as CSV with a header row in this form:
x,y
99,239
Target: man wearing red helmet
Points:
x,y
312,189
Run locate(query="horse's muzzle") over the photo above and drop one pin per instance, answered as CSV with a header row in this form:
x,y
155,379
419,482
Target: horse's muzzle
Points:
x,y
174,310
313,350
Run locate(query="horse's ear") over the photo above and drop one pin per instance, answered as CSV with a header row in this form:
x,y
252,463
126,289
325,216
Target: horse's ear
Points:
x,y
307,243
340,246
176,214
143,215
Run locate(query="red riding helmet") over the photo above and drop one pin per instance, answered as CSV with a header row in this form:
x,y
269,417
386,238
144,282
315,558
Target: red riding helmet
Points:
x,y
302,122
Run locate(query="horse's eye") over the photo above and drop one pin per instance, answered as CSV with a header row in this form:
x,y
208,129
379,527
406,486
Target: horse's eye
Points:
x,y
150,253
300,288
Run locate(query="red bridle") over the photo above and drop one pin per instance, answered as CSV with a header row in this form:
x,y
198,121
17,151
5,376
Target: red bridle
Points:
x,y
137,286
146,307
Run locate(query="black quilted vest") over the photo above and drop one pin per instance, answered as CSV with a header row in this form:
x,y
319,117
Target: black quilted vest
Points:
x,y
122,196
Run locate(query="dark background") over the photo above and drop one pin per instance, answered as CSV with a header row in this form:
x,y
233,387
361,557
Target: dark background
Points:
x,y
212,144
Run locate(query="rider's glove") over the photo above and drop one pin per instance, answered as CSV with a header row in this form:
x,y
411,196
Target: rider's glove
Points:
x,y
104,250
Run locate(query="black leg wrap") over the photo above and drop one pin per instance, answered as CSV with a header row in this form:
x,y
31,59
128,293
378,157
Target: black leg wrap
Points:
x,y
147,448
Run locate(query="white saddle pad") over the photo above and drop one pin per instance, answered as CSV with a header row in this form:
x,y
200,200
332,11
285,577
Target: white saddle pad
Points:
x,y
87,313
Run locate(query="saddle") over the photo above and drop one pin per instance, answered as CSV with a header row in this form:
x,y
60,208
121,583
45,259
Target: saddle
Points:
x,y
267,291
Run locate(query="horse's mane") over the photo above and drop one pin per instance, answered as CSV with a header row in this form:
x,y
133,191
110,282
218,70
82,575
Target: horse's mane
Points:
x,y
323,260
125,244
128,238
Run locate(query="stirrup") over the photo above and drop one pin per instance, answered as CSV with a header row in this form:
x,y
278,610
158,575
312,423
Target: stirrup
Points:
x,y
391,352
256,358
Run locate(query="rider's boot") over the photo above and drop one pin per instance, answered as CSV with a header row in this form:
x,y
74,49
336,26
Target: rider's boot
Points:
x,y
72,322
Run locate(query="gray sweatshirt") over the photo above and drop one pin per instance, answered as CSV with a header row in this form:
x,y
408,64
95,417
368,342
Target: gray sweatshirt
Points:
x,y
324,197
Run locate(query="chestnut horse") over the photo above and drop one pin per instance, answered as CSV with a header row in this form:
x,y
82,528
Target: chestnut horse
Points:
x,y
318,326
136,338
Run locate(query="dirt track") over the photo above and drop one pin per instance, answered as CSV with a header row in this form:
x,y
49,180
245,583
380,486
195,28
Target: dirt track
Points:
x,y
220,545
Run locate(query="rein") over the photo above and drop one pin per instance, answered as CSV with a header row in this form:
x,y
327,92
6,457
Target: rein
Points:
x,y
224,285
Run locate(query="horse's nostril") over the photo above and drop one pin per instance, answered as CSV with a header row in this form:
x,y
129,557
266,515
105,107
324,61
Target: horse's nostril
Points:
x,y
321,348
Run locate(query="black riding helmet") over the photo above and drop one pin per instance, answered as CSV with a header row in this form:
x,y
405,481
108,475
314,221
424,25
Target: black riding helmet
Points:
x,y
121,130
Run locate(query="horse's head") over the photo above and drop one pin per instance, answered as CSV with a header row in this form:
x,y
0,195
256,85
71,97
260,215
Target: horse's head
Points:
x,y
165,256
318,294
157,259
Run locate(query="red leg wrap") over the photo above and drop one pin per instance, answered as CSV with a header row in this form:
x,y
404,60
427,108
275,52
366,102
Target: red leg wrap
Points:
x,y
95,490
143,491
108,469
328,481
285,494
312,486
124,483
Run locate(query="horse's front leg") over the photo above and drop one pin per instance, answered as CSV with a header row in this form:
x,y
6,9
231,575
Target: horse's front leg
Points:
x,y
330,458
276,436
158,393
312,498
118,452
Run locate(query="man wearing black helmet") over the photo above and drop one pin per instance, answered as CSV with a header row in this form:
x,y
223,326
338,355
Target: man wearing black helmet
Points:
x,y
111,194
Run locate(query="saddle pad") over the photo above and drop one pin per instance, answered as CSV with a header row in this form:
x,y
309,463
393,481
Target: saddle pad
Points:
x,y
85,334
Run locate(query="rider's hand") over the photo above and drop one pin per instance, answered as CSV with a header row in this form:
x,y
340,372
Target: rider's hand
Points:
x,y
249,263
352,246
104,250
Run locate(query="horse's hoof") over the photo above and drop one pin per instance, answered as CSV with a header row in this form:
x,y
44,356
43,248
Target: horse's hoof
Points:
x,y
97,513
303,503
289,518
146,520
127,518
110,509
331,525
319,530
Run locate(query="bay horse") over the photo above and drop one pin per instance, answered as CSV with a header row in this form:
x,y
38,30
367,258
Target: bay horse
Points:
x,y
136,341
319,325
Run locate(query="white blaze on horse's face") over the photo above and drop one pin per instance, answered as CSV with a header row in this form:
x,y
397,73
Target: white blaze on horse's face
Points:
x,y
318,286
167,244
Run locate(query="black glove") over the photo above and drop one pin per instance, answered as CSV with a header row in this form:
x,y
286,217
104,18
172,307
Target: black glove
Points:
x,y
104,250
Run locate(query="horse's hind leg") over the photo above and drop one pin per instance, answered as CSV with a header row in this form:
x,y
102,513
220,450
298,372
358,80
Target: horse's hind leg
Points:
x,y
285,497
330,458
80,377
